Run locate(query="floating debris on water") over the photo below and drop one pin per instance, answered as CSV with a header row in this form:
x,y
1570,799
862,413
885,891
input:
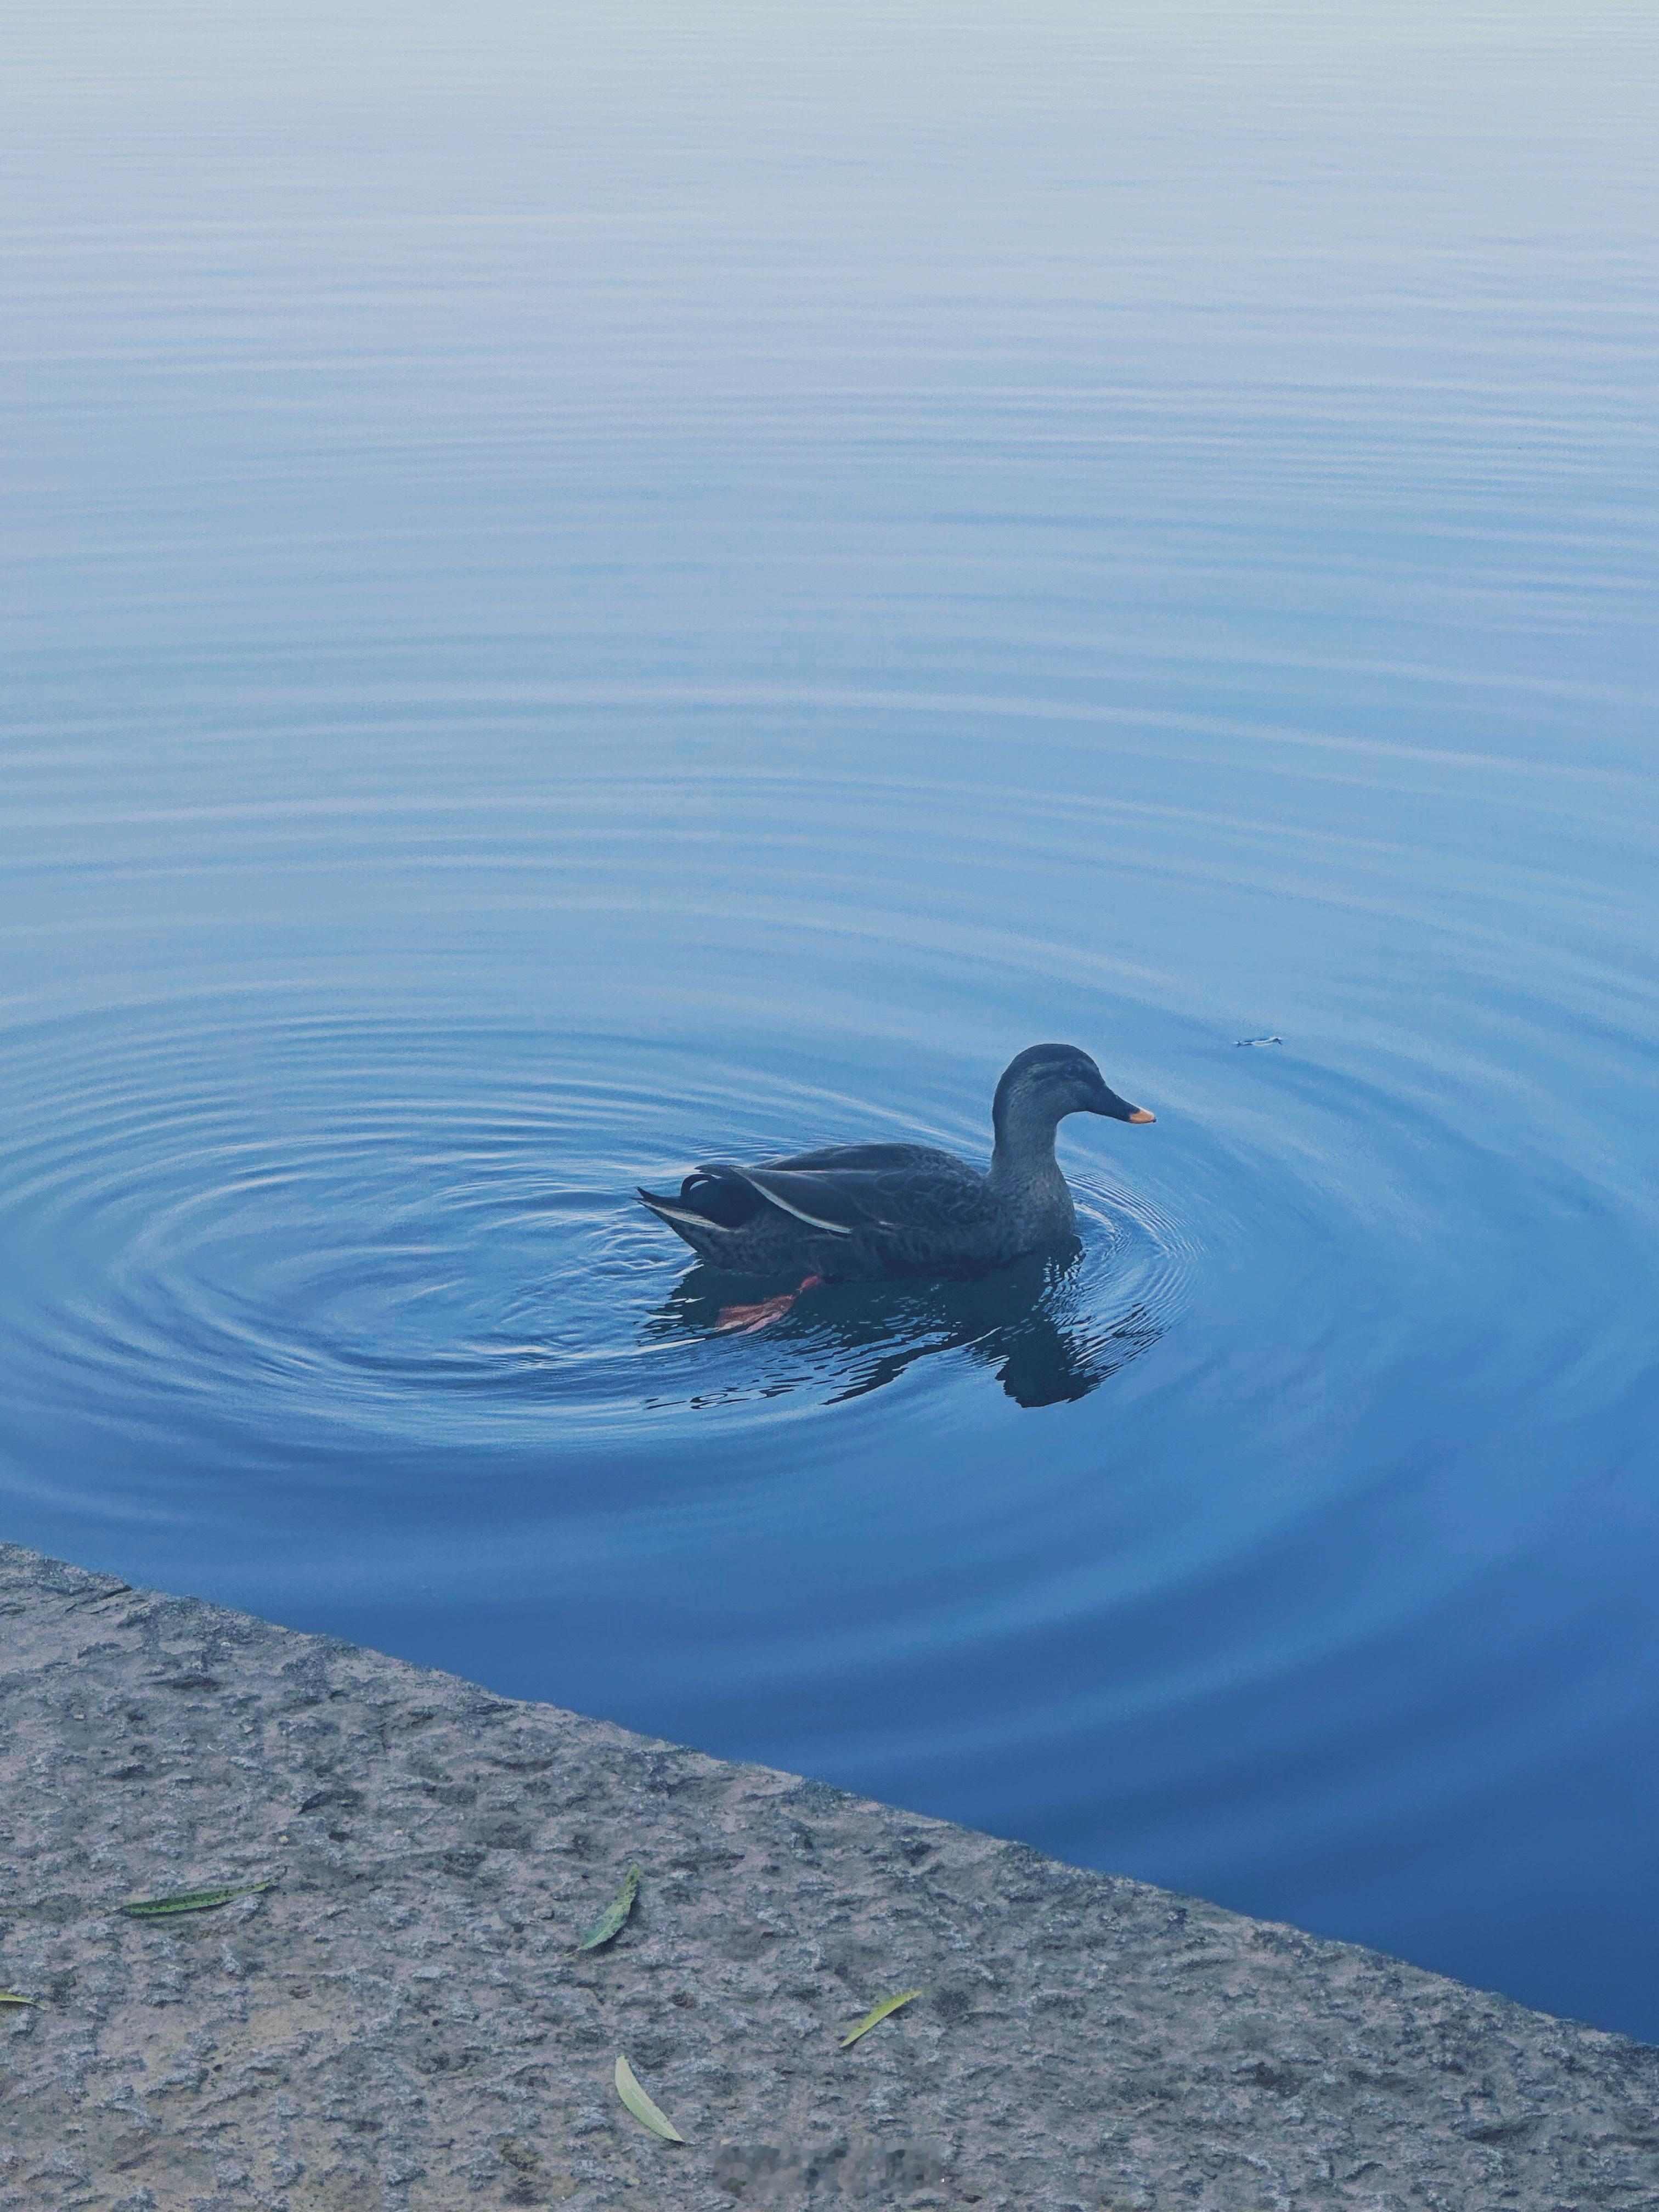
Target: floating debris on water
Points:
x,y
1265,1040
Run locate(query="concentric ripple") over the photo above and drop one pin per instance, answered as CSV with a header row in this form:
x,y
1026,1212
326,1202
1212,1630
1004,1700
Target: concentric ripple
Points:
x,y
329,1225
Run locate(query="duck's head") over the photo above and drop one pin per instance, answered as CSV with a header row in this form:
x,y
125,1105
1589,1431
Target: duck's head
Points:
x,y
1046,1082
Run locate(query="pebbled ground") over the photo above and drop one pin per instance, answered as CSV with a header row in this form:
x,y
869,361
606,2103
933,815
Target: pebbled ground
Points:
x,y
402,2022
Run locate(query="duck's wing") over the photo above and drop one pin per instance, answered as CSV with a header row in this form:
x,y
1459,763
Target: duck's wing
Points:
x,y
849,1188
873,1157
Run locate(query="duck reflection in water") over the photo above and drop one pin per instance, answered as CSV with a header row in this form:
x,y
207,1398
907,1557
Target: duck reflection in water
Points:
x,y
1024,1321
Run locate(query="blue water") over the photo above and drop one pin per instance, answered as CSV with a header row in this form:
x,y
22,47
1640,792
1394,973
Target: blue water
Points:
x,y
587,594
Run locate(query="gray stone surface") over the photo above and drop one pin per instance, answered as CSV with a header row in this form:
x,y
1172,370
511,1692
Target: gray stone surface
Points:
x,y
402,2021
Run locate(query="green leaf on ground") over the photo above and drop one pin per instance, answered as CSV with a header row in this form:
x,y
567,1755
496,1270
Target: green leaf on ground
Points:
x,y
191,1900
874,2019
612,1921
641,2107
10,1997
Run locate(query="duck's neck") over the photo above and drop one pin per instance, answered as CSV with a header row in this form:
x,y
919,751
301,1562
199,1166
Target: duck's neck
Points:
x,y
1023,1156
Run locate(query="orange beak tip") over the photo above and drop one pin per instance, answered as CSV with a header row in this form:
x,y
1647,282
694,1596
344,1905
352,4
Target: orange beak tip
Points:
x,y
1141,1115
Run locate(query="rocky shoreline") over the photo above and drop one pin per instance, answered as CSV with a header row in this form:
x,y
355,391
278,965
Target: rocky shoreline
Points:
x,y
403,2021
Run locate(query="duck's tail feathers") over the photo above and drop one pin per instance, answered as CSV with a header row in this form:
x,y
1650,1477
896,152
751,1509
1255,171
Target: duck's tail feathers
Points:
x,y
714,1197
671,1210
719,1196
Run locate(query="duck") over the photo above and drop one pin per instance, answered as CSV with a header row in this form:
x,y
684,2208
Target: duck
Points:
x,y
874,1213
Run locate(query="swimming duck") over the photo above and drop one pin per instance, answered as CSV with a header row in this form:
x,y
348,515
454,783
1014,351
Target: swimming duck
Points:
x,y
867,1213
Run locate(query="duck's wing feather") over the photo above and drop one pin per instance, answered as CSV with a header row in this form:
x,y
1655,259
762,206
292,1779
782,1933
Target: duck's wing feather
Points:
x,y
871,1155
849,1188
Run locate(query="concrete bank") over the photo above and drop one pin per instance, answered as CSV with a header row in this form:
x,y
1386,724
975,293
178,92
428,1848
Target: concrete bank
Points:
x,y
402,2022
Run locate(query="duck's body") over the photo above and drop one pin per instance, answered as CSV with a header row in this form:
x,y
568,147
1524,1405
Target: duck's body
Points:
x,y
865,1212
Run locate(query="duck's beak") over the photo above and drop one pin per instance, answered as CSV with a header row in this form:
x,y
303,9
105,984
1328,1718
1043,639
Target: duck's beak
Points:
x,y
1107,1102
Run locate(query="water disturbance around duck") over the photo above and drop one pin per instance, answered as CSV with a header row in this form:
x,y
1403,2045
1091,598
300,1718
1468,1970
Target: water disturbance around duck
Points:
x,y
596,603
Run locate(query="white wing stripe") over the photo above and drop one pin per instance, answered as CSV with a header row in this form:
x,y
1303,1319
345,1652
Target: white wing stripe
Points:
x,y
812,1221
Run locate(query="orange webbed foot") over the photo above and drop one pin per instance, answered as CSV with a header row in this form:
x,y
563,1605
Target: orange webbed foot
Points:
x,y
743,1320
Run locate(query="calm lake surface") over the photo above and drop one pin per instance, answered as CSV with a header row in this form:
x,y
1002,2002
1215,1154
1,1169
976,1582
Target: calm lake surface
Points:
x,y
583,595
